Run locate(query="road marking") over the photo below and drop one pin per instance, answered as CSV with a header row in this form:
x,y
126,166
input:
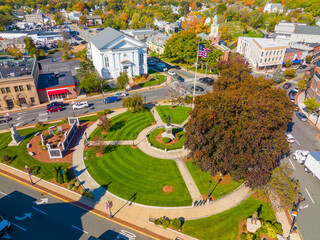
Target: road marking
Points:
x,y
18,124
18,118
6,236
79,229
7,195
41,201
19,227
39,210
292,164
26,215
130,235
43,120
297,141
43,114
309,195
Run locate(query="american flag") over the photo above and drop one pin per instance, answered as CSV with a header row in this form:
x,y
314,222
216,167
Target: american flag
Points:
x,y
203,51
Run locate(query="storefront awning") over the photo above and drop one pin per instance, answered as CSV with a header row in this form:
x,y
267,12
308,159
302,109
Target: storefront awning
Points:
x,y
59,91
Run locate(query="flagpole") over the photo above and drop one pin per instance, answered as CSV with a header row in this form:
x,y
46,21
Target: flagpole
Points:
x,y
195,77
206,68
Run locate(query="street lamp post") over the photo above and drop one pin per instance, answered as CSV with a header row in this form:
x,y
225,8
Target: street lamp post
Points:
x,y
145,99
85,139
29,173
109,205
208,199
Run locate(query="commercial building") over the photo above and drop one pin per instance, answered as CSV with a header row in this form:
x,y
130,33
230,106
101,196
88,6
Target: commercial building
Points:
x,y
94,20
113,52
34,18
262,53
18,80
18,43
293,55
56,87
41,36
314,89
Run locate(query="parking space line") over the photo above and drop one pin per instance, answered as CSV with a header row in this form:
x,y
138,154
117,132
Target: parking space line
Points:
x,y
39,210
19,226
309,195
297,141
292,164
79,229
7,195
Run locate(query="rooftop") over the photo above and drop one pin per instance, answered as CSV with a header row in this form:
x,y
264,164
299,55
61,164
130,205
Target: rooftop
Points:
x,y
49,80
10,68
312,30
105,37
292,50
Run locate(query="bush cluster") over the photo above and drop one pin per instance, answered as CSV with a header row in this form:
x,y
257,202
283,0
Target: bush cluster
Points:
x,y
166,140
107,111
39,125
268,228
166,222
61,175
7,159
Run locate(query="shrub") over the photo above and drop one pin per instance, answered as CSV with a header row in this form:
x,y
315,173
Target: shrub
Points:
x,y
64,120
89,195
157,222
59,178
46,135
278,228
65,175
99,114
55,132
74,188
36,170
55,173
175,223
243,236
188,99
165,222
250,236
70,186
82,191
271,229
166,140
5,158
39,125
77,183
107,111
40,143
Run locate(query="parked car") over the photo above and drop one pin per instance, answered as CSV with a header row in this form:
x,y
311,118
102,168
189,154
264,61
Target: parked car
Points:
x,y
4,225
296,107
302,116
198,88
76,44
171,72
5,118
121,94
83,42
287,85
53,104
289,137
176,67
80,105
151,63
54,109
162,67
111,99
304,66
206,80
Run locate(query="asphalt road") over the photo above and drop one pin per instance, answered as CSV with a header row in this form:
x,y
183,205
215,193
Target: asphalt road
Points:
x,y
305,139
54,219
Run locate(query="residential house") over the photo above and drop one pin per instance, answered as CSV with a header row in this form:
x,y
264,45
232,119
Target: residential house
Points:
x,y
94,20
140,34
74,16
273,7
262,53
18,83
14,43
156,43
113,52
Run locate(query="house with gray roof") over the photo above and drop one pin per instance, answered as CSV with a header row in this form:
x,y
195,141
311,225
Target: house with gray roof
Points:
x,y
307,34
113,52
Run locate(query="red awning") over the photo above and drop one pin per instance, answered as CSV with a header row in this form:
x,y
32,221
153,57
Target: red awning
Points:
x,y
60,91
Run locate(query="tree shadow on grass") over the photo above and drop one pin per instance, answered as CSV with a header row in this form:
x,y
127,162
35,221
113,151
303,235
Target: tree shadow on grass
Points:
x,y
110,148
117,125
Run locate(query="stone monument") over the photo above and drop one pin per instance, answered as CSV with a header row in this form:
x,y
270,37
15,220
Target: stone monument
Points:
x,y
16,137
253,223
168,130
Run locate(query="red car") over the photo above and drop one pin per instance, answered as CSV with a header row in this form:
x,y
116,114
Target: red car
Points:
x,y
54,109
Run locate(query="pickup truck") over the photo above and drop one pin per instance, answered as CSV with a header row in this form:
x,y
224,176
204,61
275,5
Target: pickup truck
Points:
x,y
312,164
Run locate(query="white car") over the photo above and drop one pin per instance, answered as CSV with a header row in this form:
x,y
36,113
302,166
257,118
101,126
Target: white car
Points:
x,y
80,105
289,137
171,72
121,94
300,156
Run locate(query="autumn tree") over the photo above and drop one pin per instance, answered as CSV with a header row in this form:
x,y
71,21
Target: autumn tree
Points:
x,y
302,84
104,123
277,75
122,80
283,186
133,103
82,20
238,128
311,104
16,52
88,77
290,73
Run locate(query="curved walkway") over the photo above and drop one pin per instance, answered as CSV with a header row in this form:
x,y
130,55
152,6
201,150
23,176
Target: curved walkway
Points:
x,y
140,214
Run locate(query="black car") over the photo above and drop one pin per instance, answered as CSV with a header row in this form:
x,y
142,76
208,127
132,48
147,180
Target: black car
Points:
x,y
54,104
303,66
198,88
176,67
83,42
180,79
206,80
302,117
286,85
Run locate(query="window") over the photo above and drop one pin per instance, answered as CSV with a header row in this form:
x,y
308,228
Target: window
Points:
x,y
7,89
261,54
269,59
3,90
106,61
21,88
32,99
276,58
266,53
141,58
260,60
16,89
272,59
265,60
278,52
281,52
29,87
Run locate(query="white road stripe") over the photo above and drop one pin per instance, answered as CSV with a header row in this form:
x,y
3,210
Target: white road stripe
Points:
x,y
7,195
79,229
292,164
39,210
19,226
43,114
309,195
297,141
43,120
18,118
18,124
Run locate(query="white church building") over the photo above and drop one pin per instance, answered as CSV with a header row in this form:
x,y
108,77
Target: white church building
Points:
x,y
113,52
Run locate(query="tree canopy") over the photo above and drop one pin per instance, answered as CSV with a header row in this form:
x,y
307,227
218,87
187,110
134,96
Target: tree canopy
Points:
x,y
88,77
238,128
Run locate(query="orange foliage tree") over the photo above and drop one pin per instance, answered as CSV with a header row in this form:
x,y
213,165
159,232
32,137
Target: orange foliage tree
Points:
x,y
124,16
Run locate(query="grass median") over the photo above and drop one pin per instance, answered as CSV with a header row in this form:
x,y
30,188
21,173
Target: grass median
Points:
x,y
177,115
131,174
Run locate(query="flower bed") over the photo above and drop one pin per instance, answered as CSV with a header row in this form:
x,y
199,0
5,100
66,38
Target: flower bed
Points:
x,y
156,140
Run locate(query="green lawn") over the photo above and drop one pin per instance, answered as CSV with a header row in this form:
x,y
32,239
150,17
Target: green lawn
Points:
x,y
177,115
20,153
157,144
124,124
153,82
202,181
91,118
225,225
236,31
128,172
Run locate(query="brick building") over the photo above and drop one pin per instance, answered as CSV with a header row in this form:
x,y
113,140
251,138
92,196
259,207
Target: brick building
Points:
x,y
314,89
18,80
293,55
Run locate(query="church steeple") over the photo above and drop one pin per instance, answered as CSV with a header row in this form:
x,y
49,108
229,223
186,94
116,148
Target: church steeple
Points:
x,y
214,30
